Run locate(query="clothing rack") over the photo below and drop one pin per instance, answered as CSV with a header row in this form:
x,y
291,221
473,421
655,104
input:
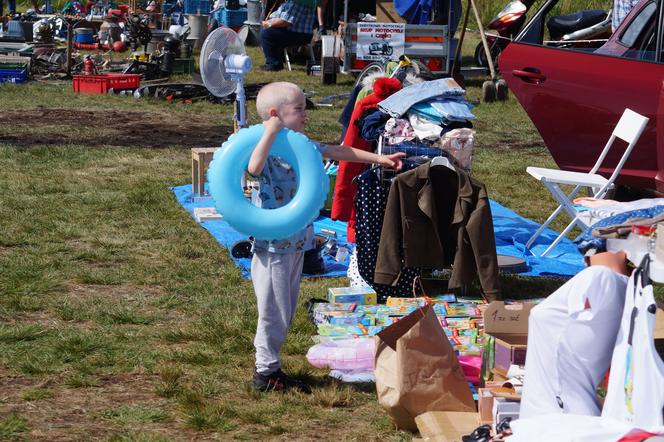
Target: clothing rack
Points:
x,y
412,151
436,278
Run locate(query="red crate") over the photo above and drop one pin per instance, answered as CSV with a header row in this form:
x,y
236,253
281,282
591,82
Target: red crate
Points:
x,y
100,84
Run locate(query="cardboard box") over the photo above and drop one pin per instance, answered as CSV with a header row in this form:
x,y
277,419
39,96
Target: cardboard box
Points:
x,y
446,425
659,332
508,324
485,406
503,408
659,324
201,157
351,294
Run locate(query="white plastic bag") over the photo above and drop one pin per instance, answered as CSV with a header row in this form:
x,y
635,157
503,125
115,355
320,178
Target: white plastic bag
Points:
x,y
460,144
636,384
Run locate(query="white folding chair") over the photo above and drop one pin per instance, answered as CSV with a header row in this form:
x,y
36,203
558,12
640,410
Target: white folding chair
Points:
x,y
628,129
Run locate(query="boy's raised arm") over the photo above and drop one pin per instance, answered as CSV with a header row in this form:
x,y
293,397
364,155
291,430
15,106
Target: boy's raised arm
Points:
x,y
345,153
262,149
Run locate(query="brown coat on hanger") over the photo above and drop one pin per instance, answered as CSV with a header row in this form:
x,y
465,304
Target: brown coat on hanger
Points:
x,y
436,217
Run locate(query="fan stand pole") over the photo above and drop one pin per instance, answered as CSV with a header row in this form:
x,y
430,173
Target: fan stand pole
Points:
x,y
240,119
236,123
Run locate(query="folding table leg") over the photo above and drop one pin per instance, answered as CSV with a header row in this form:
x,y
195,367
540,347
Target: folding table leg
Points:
x,y
561,198
553,216
287,59
544,225
563,234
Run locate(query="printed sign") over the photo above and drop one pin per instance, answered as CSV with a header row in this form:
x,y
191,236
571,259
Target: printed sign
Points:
x,y
380,41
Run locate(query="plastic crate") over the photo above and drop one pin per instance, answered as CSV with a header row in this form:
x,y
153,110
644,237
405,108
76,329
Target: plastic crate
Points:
x,y
19,75
101,84
201,7
183,66
14,62
230,17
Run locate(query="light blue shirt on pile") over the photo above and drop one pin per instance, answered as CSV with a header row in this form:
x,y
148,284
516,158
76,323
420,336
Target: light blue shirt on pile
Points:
x,y
399,102
277,186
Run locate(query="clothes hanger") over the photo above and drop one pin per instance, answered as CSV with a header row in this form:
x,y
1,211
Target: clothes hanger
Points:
x,y
442,161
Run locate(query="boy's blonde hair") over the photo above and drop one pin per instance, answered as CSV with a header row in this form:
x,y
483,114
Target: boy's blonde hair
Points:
x,y
275,95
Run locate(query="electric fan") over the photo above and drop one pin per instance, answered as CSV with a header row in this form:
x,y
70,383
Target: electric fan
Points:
x,y
224,64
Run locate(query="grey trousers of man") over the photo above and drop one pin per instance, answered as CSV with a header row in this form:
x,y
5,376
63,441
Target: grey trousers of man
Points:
x,y
276,279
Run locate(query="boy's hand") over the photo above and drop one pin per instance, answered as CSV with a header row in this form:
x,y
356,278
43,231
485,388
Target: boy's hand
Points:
x,y
392,161
273,125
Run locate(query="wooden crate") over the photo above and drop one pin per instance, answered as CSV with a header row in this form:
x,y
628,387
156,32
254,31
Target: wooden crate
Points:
x,y
200,160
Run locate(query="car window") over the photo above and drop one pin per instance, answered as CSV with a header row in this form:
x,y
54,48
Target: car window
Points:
x,y
574,25
639,27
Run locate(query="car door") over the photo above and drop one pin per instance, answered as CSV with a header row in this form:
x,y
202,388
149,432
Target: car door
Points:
x,y
575,96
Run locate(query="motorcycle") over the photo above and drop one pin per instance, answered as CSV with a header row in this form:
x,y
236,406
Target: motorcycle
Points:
x,y
508,22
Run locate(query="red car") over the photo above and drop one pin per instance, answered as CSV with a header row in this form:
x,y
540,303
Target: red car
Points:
x,y
575,95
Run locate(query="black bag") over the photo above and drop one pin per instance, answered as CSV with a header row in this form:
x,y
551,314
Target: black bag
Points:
x,y
233,4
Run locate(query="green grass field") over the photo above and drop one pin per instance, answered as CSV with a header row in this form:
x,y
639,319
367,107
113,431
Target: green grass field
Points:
x,y
123,320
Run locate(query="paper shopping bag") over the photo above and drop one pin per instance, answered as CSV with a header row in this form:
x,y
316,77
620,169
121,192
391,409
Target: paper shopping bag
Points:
x,y
417,370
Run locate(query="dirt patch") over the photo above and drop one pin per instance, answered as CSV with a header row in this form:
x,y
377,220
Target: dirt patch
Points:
x,y
119,129
78,413
78,292
42,318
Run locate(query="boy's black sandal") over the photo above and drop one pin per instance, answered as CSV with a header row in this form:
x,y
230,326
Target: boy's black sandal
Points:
x,y
279,381
241,249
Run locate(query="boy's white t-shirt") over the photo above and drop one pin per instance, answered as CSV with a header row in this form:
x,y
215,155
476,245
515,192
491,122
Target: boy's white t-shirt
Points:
x,y
277,186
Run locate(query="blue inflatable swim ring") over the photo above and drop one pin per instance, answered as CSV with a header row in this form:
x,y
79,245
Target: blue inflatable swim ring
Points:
x,y
227,169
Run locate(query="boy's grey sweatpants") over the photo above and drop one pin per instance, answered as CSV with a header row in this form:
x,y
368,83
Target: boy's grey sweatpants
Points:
x,y
276,279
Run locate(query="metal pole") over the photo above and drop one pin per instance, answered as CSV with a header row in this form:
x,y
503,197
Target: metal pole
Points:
x,y
492,69
346,12
70,39
457,53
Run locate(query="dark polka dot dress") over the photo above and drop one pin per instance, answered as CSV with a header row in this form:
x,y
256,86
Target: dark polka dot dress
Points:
x,y
370,202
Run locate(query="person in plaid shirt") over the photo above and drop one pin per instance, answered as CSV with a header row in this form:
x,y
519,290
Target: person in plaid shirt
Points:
x,y
620,10
290,25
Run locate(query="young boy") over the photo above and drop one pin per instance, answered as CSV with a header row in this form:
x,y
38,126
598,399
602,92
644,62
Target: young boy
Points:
x,y
276,266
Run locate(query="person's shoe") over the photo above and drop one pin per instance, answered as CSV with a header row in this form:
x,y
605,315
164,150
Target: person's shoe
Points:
x,y
279,381
480,434
241,249
313,263
272,68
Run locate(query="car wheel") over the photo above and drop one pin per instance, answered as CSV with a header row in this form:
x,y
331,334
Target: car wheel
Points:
x,y
480,56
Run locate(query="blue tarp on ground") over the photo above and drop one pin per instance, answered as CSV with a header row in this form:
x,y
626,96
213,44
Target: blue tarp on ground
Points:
x,y
227,236
512,232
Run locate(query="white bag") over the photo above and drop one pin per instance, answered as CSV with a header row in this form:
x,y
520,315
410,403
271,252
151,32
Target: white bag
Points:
x,y
636,384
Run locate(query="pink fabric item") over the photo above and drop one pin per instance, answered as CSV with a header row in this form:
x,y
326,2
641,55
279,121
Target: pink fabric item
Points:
x,y
637,436
398,130
592,202
344,354
471,366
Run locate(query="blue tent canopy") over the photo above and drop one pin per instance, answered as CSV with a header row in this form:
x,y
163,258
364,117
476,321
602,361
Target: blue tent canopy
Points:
x,y
414,11
420,12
